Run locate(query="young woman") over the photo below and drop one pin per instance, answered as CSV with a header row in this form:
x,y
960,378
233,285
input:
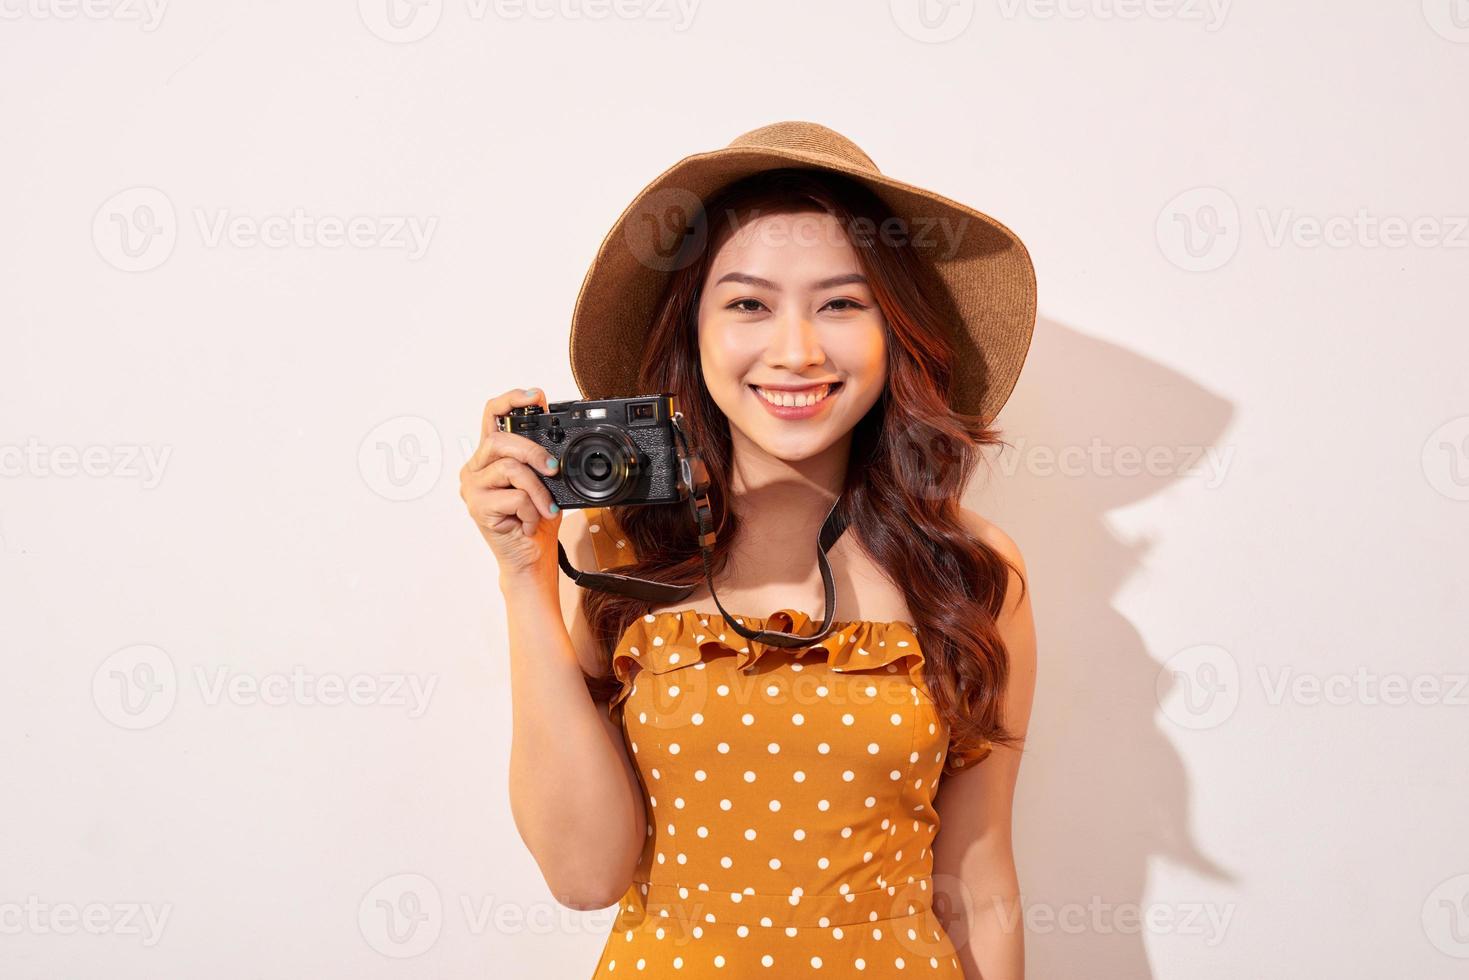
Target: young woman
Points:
x,y
755,809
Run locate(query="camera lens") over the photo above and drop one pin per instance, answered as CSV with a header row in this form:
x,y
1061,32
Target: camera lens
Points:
x,y
601,463
597,466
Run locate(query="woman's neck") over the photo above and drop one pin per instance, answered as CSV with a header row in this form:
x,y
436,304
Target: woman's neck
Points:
x,y
783,503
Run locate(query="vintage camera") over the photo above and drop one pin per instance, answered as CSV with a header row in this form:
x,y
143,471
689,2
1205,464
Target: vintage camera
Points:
x,y
612,451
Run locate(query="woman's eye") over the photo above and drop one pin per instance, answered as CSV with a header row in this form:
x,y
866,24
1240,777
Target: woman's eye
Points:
x,y
852,304
739,304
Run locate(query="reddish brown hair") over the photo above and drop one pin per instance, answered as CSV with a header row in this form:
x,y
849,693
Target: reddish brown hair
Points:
x,y
910,460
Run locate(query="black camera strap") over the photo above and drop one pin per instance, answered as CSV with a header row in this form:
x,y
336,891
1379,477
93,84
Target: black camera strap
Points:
x,y
694,481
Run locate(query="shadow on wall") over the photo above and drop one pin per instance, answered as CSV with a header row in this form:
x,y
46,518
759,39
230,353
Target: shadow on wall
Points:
x,y
1102,791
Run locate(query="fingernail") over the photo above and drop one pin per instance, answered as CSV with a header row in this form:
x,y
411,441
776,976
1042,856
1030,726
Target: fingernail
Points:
x,y
551,463
555,509
532,391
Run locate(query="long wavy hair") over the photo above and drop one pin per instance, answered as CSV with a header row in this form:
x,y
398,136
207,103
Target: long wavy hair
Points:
x,y
910,460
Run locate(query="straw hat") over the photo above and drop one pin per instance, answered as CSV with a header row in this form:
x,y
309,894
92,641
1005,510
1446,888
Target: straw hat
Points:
x,y
991,294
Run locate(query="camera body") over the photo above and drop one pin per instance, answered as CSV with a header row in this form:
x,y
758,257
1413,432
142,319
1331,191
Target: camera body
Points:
x,y
618,451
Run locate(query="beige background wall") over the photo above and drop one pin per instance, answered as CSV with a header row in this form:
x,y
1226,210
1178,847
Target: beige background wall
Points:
x,y
263,262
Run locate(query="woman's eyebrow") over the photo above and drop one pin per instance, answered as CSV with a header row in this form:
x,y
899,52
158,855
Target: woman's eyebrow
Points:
x,y
832,283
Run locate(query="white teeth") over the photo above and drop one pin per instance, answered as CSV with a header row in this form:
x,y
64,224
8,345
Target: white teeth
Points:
x,y
794,399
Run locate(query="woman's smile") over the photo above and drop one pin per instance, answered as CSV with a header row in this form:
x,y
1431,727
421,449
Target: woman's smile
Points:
x,y
796,403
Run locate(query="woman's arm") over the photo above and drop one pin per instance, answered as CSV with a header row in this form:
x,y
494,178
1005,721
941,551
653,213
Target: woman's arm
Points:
x,y
974,861
574,794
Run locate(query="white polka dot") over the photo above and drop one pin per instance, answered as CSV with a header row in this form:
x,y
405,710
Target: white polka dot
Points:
x,y
747,718
848,719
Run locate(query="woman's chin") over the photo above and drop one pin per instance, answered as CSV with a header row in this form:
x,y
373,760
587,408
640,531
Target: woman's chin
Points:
x,y
778,441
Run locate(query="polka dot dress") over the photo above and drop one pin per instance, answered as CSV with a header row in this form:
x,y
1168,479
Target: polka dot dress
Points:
x,y
789,798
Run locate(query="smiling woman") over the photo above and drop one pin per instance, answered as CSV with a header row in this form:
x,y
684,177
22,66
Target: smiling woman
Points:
x,y
790,330
781,805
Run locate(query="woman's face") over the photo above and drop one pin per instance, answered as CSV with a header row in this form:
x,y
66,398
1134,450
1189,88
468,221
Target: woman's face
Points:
x,y
786,306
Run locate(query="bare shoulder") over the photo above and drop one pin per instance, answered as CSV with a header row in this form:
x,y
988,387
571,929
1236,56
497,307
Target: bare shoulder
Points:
x,y
991,534
1017,591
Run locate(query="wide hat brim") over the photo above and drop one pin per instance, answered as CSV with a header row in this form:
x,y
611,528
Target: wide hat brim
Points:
x,y
989,281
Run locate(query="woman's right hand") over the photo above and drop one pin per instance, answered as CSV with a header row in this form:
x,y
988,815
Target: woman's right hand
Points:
x,y
515,513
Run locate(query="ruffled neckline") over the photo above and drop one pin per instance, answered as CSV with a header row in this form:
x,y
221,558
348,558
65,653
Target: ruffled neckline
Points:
x,y
676,638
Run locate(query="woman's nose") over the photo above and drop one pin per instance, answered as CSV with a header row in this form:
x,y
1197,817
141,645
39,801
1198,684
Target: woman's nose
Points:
x,y
795,342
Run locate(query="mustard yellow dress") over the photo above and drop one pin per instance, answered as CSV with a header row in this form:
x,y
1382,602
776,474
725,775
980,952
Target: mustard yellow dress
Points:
x,y
788,795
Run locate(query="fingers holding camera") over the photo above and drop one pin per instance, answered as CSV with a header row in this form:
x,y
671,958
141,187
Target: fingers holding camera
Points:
x,y
502,487
494,443
506,507
502,403
505,472
509,445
